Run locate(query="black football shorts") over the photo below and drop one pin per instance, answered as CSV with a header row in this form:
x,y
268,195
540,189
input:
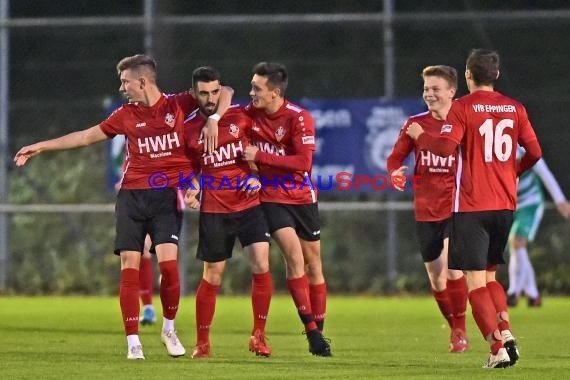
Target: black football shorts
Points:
x,y
146,211
218,232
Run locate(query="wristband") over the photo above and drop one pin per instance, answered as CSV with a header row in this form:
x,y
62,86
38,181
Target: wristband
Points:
x,y
215,117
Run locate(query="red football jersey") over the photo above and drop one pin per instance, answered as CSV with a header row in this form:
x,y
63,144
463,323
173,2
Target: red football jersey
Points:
x,y
487,126
223,171
435,175
286,141
155,149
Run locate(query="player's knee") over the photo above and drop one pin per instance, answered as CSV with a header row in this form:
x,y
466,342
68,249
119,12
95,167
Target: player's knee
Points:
x,y
260,266
213,278
439,283
314,269
213,274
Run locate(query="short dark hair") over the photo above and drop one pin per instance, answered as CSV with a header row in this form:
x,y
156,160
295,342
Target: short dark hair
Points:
x,y
446,72
276,74
205,74
484,66
138,62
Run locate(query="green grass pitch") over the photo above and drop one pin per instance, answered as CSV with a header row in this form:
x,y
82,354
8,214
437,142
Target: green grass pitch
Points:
x,y
372,338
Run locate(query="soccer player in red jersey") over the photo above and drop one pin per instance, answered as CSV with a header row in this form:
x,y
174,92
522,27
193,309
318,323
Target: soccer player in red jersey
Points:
x,y
432,200
229,209
152,123
146,272
283,137
485,127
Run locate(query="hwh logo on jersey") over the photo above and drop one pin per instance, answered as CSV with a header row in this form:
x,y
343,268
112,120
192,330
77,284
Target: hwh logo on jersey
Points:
x,y
269,148
154,144
223,153
429,159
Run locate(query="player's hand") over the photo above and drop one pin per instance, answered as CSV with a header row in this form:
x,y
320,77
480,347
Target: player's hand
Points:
x,y
190,198
210,135
249,153
564,209
26,153
398,179
414,130
251,186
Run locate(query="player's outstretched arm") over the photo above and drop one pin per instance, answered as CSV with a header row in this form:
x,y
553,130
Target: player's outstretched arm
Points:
x,y
72,140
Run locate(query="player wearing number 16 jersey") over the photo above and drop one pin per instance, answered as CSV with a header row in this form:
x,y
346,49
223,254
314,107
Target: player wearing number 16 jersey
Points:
x,y
485,126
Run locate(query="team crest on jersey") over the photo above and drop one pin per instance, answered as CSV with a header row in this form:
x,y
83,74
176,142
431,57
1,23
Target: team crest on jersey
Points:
x,y
169,120
446,128
279,133
234,130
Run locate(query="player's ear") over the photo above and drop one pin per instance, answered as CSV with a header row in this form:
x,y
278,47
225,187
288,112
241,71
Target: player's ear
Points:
x,y
498,73
275,93
142,81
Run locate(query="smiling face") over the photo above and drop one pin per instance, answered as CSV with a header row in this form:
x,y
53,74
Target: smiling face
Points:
x,y
208,95
262,96
438,95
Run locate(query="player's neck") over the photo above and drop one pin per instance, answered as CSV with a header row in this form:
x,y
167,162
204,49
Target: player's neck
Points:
x,y
474,88
274,106
441,114
152,96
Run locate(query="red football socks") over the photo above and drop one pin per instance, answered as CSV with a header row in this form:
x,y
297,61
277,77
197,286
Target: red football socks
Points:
x,y
444,303
261,291
500,301
299,289
129,300
484,314
205,308
457,290
169,288
146,278
318,296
